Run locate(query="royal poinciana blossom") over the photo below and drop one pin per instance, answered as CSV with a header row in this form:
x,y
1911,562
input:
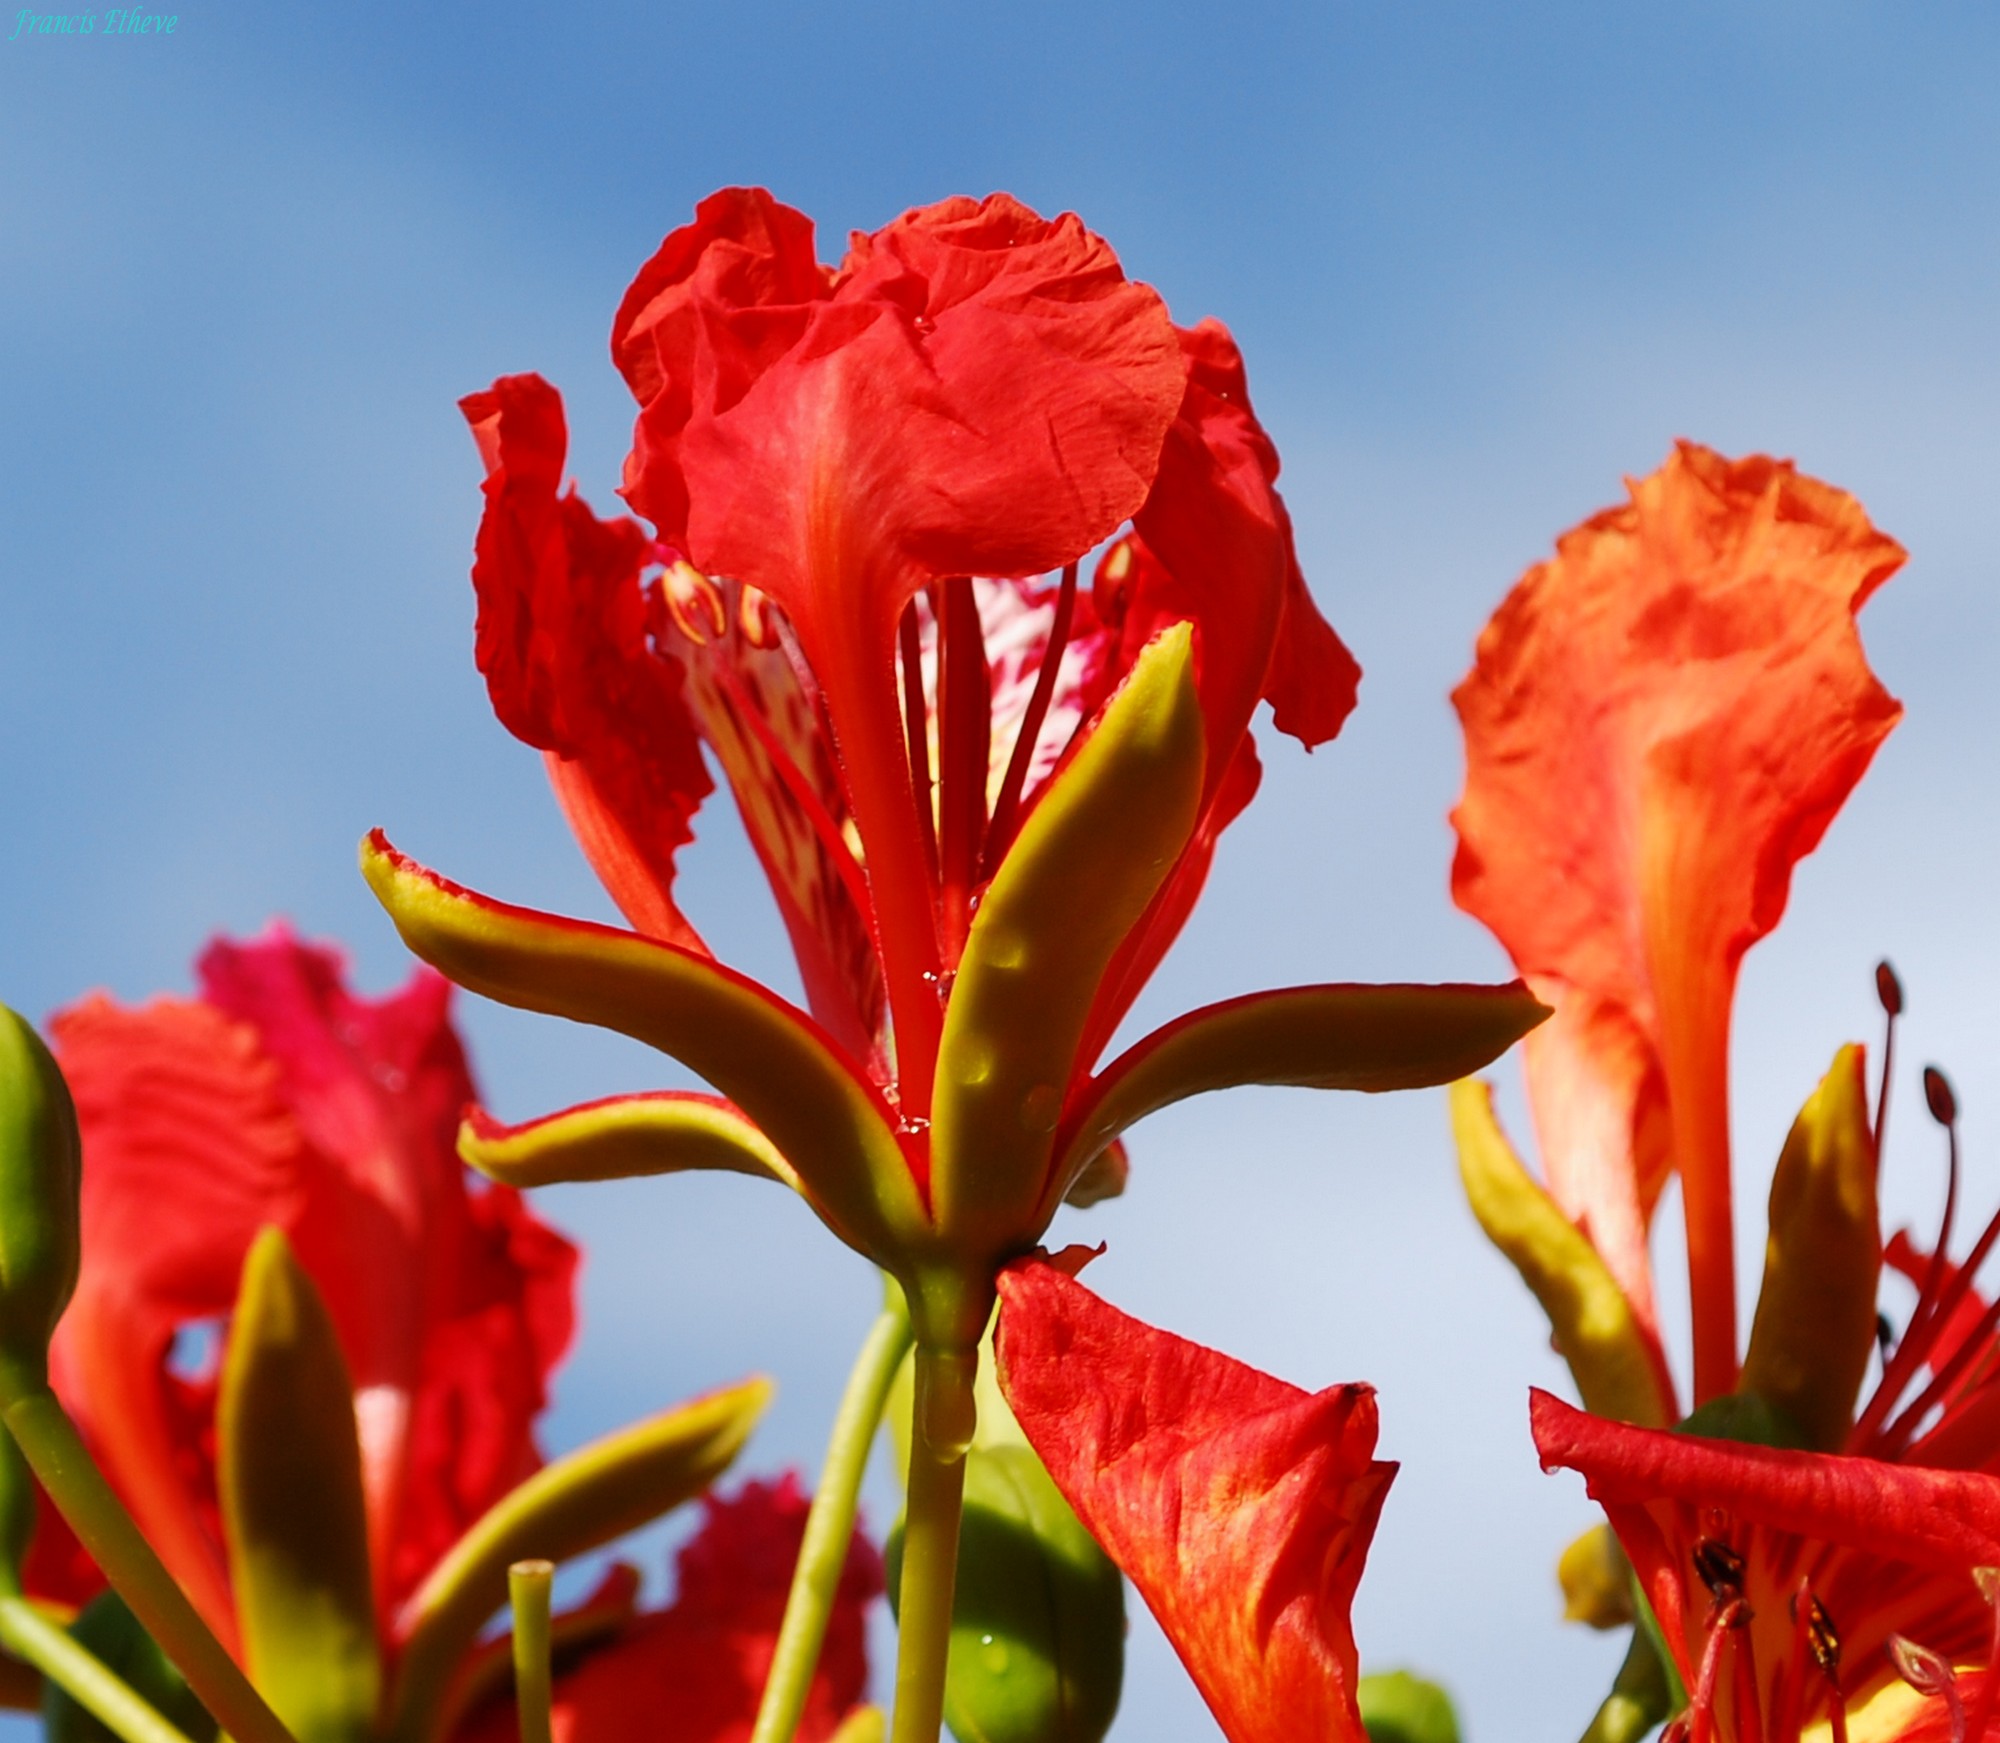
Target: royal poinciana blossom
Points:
x,y
277,1098
1240,1506
693,1671
985,796
310,1356
1662,720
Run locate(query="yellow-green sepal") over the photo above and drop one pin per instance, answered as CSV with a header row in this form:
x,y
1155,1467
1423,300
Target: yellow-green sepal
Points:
x,y
768,1058
622,1138
1400,1707
294,1518
111,1634
1616,1365
577,1504
41,1177
1815,1324
1079,876
1368,1038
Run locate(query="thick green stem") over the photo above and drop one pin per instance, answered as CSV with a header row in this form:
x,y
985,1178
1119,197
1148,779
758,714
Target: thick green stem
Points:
x,y
935,1500
528,1584
73,1667
58,1457
830,1524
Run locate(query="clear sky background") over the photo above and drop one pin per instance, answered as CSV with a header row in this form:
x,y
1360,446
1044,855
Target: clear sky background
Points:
x,y
1483,262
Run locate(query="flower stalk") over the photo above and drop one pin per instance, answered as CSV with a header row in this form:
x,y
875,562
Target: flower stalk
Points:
x,y
73,1667
936,1500
830,1524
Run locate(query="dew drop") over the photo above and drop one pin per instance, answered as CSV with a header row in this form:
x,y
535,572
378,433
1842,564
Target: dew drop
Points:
x,y
913,1125
1041,1107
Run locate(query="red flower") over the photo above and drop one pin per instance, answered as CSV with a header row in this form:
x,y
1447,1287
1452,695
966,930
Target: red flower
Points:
x,y
279,1098
986,800
693,1672
1661,722
1241,1507
1783,1581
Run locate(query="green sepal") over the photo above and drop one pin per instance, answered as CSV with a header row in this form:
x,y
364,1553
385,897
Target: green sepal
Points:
x,y
295,1520
1814,1329
1642,1694
1398,1707
19,1511
623,1138
41,1176
1038,1617
1744,1417
771,1060
111,1633
1370,1038
1080,875
577,1504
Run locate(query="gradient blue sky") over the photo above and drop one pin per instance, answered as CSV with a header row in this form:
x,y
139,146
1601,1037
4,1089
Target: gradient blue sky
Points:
x,y
1483,261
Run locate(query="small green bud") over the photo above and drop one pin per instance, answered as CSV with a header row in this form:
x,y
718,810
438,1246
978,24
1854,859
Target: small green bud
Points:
x,y
113,1634
41,1174
1397,1707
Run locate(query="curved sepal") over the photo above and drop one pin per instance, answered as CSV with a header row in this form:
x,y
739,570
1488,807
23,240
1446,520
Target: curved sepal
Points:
x,y
1079,876
1617,1369
288,1476
771,1060
1322,1037
622,1138
580,1502
1815,1324
41,1175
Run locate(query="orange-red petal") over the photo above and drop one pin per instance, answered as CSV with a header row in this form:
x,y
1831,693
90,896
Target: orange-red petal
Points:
x,y
1662,720
1240,1506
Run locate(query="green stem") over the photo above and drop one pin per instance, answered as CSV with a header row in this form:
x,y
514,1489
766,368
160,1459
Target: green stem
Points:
x,y
936,1498
58,1457
73,1667
830,1524
528,1585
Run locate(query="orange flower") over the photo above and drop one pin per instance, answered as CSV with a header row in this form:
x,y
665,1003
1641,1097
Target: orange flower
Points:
x,y
1661,722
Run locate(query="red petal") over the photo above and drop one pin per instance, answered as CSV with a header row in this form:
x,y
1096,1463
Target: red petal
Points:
x,y
1240,1506
1661,722
562,641
284,1099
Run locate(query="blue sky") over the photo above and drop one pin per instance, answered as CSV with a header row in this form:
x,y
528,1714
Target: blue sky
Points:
x,y
1483,261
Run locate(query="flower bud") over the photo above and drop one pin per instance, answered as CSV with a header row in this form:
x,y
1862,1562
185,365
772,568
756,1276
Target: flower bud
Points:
x,y
41,1174
1397,1707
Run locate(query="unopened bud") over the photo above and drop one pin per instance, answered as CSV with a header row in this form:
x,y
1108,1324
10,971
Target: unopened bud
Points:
x,y
41,1173
1937,1094
1888,988
1596,1581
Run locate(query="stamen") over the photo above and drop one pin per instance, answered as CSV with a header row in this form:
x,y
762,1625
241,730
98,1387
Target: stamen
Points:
x,y
965,732
1000,832
695,603
1925,1320
1701,1698
1931,1675
916,730
1889,990
1975,1345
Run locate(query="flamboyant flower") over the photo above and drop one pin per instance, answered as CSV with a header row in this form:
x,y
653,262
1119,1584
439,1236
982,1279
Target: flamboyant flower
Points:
x,y
1240,1506
1660,723
693,1672
308,1357
1798,1589
986,797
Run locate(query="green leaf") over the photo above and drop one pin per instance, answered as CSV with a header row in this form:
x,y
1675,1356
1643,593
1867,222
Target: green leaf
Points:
x,y
288,1473
112,1633
577,1504
1080,875
1371,1038
1397,1707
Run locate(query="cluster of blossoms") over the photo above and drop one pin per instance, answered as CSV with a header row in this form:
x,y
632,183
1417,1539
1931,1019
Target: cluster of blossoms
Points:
x,y
966,568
